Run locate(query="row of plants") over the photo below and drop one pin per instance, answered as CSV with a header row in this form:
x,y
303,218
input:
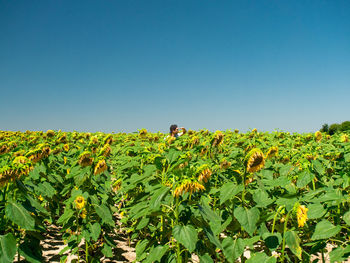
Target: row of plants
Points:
x,y
212,197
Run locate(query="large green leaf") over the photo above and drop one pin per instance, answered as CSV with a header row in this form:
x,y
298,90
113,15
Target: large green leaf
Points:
x,y
19,215
157,198
46,189
304,179
186,235
233,249
105,214
315,211
340,254
247,218
319,167
7,248
68,214
261,198
293,243
205,258
229,190
324,230
140,249
156,253
95,231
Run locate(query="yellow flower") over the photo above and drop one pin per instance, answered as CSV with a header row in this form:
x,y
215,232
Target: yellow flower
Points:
x,y
65,159
79,202
85,159
218,138
68,171
302,215
255,160
205,174
100,167
344,138
83,213
188,186
273,151
40,198
66,147
318,136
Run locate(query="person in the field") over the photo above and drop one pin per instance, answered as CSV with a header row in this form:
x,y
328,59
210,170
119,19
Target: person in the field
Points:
x,y
175,131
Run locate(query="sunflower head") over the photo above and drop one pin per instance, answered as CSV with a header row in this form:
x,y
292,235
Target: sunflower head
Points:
x,y
50,133
66,147
224,164
188,186
204,173
85,159
83,213
318,136
108,139
100,167
143,132
255,160
302,215
106,150
344,138
218,138
79,202
4,149
273,151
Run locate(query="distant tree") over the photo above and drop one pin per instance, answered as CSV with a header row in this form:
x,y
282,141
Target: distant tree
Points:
x,y
345,126
333,128
324,128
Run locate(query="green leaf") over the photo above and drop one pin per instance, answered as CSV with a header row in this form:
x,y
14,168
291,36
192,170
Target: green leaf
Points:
x,y
68,214
187,236
324,230
272,241
304,179
143,222
229,190
95,231
46,189
261,258
7,248
315,211
233,249
205,259
212,237
105,214
140,249
107,251
261,198
337,255
157,198
213,219
293,243
19,215
288,202
156,254
318,166
247,218
346,218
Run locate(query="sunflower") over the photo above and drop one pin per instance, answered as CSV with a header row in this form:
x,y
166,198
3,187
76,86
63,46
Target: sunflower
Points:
x,y
100,167
344,138
143,132
85,159
273,151
318,136
255,160
218,138
66,147
50,133
188,186
83,213
79,202
301,215
4,149
225,164
205,173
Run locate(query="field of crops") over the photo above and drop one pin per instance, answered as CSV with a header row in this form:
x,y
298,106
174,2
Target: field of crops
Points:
x,y
206,196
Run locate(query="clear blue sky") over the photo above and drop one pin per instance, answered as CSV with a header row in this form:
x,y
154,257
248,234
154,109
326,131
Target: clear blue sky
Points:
x,y
117,66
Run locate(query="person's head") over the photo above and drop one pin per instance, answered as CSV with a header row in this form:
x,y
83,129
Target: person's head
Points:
x,y
173,129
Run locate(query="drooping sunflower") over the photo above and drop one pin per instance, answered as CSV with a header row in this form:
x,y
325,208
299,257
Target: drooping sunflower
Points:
x,y
79,202
344,138
188,186
255,160
85,159
100,167
50,133
66,147
273,151
83,213
302,215
143,132
218,138
204,173
106,150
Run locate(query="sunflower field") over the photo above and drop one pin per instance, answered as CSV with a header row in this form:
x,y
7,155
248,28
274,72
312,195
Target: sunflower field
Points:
x,y
204,197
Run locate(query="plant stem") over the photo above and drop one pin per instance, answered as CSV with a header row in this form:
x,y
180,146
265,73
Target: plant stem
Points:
x,y
274,219
284,236
86,251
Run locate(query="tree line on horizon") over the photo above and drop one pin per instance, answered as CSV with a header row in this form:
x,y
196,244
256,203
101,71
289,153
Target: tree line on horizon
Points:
x,y
335,127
